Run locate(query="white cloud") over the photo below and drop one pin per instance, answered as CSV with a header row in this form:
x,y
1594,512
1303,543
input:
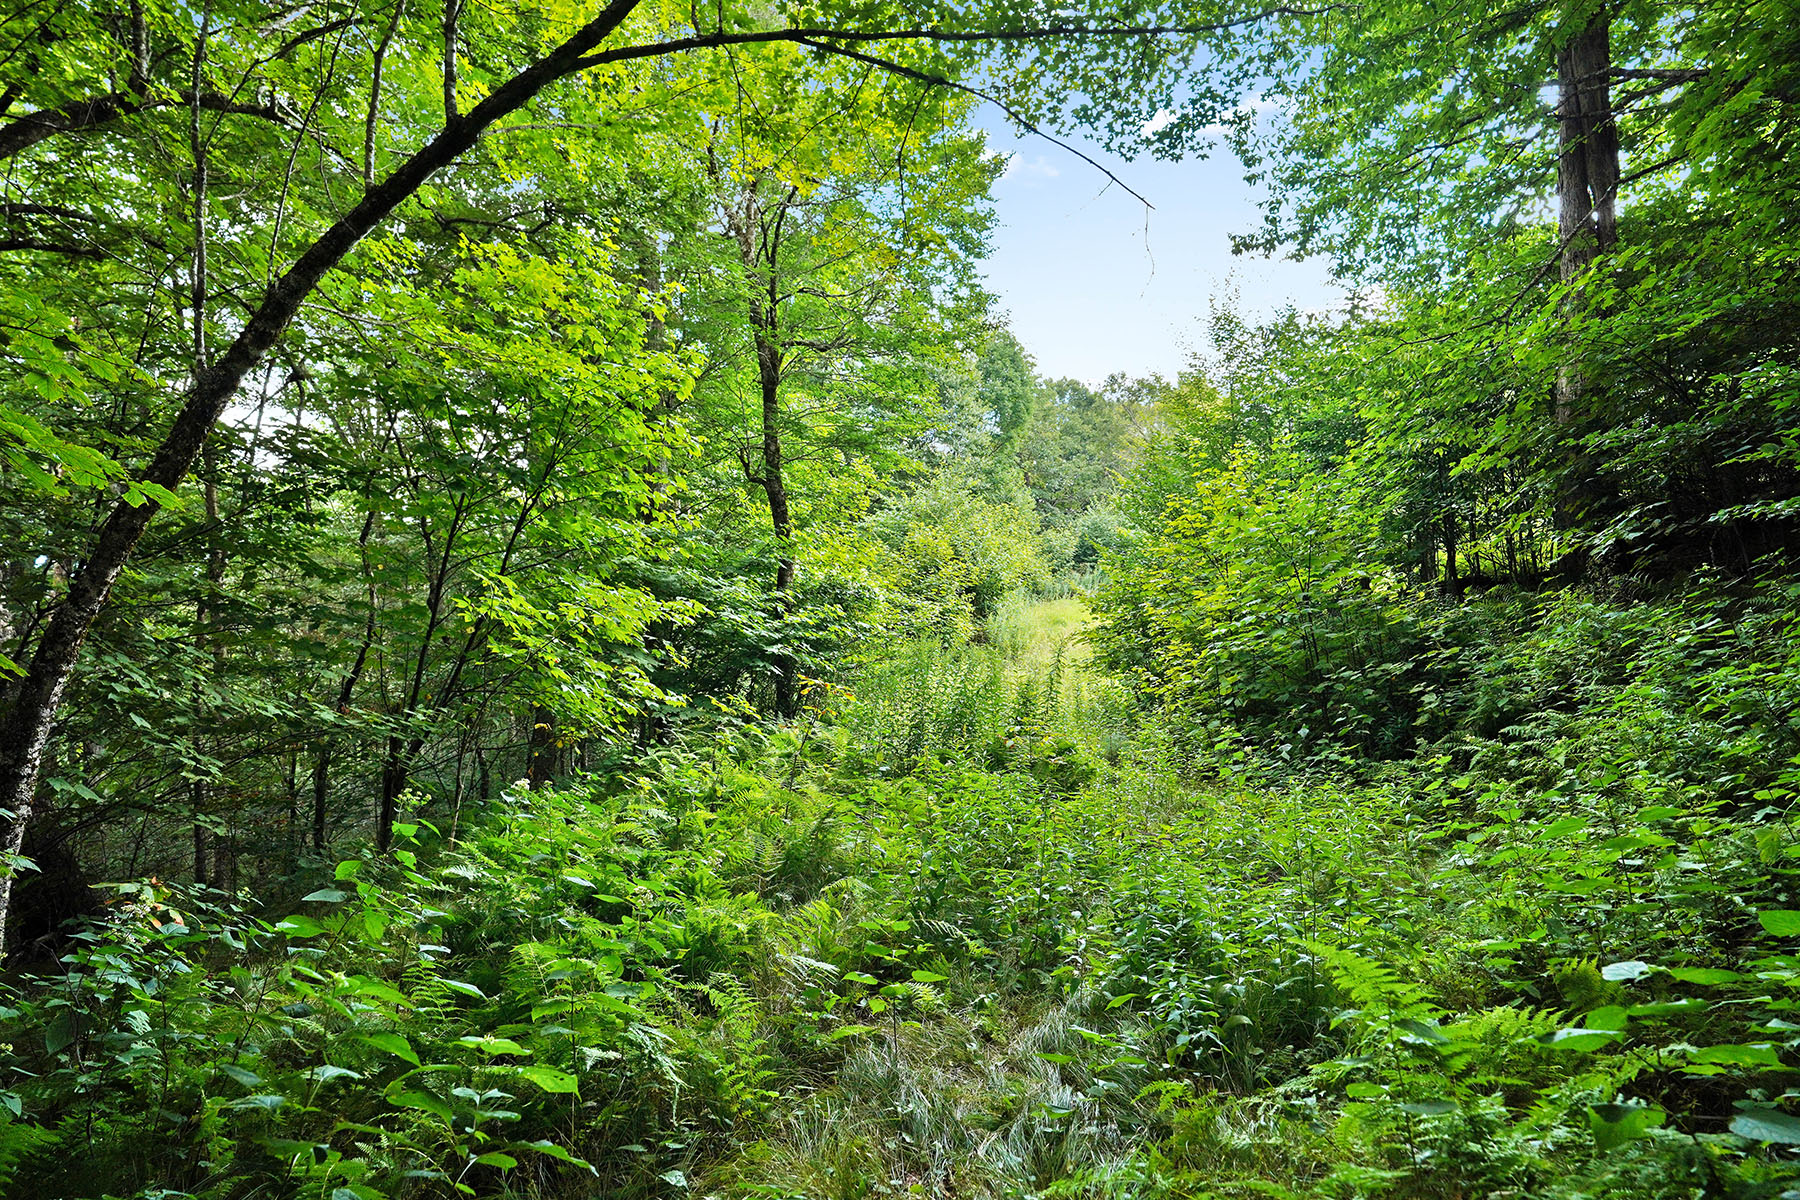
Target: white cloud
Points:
x,y
1162,118
1029,169
1256,107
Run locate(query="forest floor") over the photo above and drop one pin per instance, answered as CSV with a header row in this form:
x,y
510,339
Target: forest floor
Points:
x,y
1126,975
1111,954
970,927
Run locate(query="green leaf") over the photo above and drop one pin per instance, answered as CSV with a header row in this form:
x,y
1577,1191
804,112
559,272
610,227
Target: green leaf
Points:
x,y
59,1032
240,1075
845,1031
496,1158
1420,1031
1580,1039
1612,1017
553,1008
1767,1125
492,1046
325,896
1706,976
266,1102
300,927
552,1150
1762,1055
1614,1125
1780,922
1669,1008
928,977
394,1044
467,989
375,989
1428,1108
550,1079
423,1101
325,1073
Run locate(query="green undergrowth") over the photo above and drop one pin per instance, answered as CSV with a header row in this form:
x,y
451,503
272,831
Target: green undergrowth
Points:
x,y
967,928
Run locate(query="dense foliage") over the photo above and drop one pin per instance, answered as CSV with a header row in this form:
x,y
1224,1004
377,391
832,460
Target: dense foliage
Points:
x,y
552,643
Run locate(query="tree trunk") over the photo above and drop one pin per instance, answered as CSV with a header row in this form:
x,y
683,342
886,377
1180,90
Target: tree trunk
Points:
x,y
1587,179
541,764
26,727
215,558
1452,580
291,784
775,488
321,776
321,790
759,244
393,784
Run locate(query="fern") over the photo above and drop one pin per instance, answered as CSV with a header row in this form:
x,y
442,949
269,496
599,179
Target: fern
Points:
x,y
18,1140
798,971
735,1003
1374,987
431,1000
1486,1040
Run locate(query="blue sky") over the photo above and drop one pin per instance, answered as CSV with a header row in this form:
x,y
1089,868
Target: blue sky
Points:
x,y
1090,288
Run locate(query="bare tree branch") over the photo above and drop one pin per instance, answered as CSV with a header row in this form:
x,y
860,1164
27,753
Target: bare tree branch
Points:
x,y
1017,117
705,41
25,132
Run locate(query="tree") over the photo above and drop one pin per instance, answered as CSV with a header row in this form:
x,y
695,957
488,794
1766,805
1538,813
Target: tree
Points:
x,y
1007,389
855,215
326,108
1428,143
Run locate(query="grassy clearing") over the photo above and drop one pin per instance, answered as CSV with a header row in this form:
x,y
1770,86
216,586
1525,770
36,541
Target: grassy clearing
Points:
x,y
1030,677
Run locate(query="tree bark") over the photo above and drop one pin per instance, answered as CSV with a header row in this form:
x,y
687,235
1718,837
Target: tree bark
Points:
x,y
23,133
541,762
759,244
396,768
393,786
452,13
204,614
775,488
26,727
1587,178
321,776
372,120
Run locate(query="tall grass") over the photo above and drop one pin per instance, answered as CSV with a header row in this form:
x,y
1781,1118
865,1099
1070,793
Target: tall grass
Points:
x,y
925,698
1029,671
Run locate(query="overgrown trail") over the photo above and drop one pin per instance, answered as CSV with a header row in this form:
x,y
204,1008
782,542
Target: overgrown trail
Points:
x,y
971,928
1081,963
1068,954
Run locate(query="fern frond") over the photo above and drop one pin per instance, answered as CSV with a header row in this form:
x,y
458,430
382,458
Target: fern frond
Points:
x,y
1375,987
